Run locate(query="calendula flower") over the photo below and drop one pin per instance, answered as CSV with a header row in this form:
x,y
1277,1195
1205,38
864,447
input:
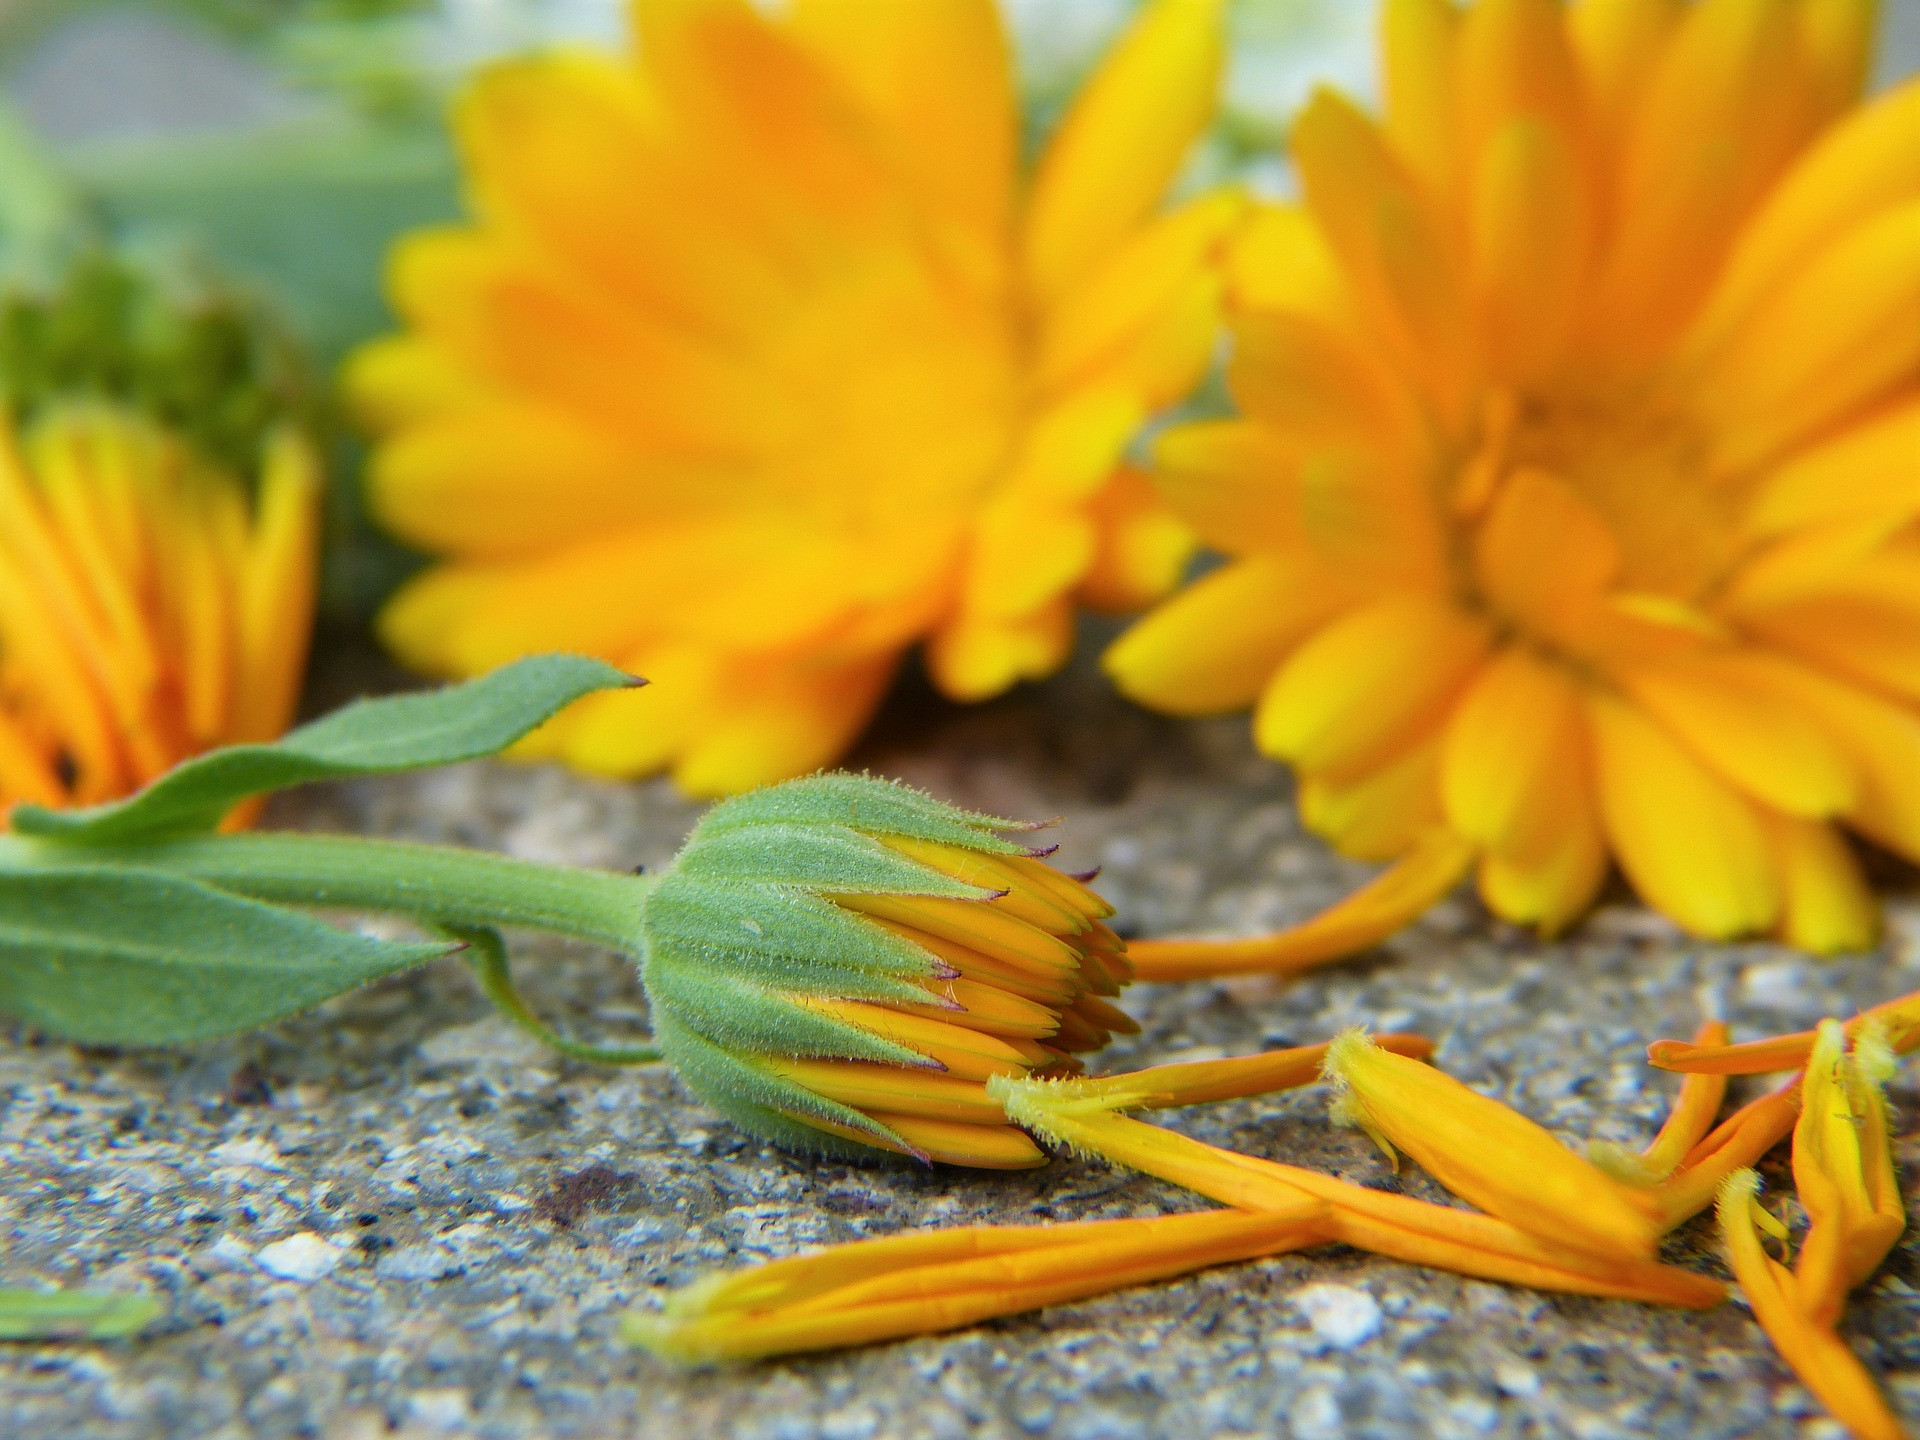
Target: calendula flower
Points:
x,y
761,362
1818,1356
919,1284
1487,1153
1570,511
153,604
840,964
1081,1114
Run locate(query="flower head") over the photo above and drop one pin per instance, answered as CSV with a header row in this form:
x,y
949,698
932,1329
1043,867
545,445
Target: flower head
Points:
x,y
840,964
759,364
1570,509
150,606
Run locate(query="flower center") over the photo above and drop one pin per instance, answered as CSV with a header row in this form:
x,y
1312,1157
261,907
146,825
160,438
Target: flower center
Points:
x,y
1580,496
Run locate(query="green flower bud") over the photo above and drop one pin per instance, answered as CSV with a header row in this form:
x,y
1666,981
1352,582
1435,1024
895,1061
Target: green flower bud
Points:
x,y
840,963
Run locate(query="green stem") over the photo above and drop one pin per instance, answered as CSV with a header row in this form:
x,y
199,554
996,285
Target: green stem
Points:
x,y
435,884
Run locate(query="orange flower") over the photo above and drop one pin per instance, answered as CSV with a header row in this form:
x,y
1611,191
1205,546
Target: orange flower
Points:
x,y
149,609
1570,511
762,362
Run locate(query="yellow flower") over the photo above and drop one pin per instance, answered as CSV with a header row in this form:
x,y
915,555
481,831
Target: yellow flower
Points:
x,y
1818,1356
841,964
1571,511
148,608
760,363
1486,1153
918,1284
1081,1114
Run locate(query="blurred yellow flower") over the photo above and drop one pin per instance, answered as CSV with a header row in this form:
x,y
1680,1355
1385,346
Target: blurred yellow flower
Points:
x,y
149,609
1572,511
760,363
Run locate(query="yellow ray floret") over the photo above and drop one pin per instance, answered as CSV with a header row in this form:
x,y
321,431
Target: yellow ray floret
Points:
x,y
760,362
919,1284
149,607
1570,507
1818,1356
1081,1115
1487,1153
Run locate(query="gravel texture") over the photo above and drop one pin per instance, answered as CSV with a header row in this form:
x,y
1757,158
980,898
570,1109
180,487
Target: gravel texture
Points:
x,y
397,1215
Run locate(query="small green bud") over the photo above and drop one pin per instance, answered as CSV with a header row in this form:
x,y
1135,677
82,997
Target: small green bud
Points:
x,y
840,963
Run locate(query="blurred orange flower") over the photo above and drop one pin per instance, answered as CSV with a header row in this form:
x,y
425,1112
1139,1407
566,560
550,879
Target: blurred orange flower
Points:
x,y
759,363
148,609
1572,513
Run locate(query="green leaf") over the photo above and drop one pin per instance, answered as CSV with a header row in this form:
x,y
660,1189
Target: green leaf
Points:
x,y
369,737
112,956
75,1314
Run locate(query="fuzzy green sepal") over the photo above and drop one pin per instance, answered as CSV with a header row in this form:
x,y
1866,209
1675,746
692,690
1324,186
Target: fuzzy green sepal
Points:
x,y
760,1102
869,804
732,1011
820,856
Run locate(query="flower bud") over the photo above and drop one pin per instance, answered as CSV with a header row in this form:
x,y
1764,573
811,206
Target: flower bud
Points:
x,y
840,963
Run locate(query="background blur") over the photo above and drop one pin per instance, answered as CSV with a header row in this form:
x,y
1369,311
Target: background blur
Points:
x,y
286,142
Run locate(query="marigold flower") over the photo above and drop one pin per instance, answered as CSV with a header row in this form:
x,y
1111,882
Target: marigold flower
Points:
x,y
1081,1114
840,964
1818,1356
759,364
150,606
918,1284
1487,1153
1570,513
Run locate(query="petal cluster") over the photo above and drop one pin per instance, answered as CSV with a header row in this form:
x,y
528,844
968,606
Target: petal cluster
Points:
x,y
761,361
841,964
152,605
1570,509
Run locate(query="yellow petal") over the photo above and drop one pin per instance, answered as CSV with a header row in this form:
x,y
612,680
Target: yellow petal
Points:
x,y
1515,741
1417,43
1686,1126
1544,556
1515,61
1214,646
1867,471
1865,165
1487,1153
781,722
1121,141
1130,290
1552,888
398,379
1382,814
1723,114
936,79
1141,548
1775,753
1367,685
1619,43
1827,907
1817,1356
1391,246
1693,847
973,657
1533,223
275,591
1392,900
1835,337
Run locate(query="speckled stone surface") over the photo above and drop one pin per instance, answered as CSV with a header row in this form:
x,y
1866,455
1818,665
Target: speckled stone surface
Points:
x,y
399,1216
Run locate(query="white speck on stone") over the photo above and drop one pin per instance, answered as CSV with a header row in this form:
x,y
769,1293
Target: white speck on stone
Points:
x,y
247,1154
440,1411
1315,1415
230,1254
1516,1379
304,1257
1340,1315
1776,984
492,1041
